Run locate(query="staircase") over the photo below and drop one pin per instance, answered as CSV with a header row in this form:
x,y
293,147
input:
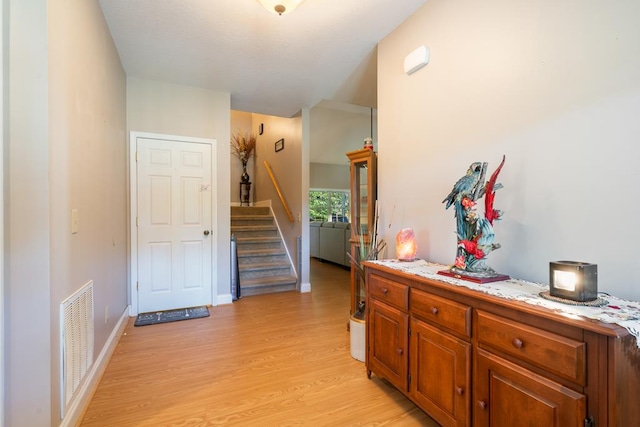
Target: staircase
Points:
x,y
262,260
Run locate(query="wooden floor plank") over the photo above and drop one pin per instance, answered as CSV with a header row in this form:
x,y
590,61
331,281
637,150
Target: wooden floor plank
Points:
x,y
267,360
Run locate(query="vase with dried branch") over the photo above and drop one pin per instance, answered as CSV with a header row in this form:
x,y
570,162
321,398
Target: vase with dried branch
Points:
x,y
369,247
243,146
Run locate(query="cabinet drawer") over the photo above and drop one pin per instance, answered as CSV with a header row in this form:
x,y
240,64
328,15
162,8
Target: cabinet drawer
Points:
x,y
390,292
554,353
441,311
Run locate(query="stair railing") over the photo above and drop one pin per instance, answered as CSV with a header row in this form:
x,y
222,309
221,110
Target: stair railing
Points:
x,y
275,184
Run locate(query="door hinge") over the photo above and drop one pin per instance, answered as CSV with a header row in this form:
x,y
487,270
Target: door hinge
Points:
x,y
136,221
137,286
589,422
409,331
136,156
409,379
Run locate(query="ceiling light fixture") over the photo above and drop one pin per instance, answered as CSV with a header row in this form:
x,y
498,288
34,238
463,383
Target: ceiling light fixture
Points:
x,y
280,7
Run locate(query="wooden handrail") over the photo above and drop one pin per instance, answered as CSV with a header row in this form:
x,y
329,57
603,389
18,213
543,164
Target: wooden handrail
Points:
x,y
275,184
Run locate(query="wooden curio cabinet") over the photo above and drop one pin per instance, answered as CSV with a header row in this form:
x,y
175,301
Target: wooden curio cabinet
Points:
x,y
363,171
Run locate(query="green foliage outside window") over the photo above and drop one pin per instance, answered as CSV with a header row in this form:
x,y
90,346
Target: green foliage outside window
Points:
x,y
329,206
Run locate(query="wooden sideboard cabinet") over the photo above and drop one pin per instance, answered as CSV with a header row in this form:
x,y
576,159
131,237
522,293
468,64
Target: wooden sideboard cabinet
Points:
x,y
471,359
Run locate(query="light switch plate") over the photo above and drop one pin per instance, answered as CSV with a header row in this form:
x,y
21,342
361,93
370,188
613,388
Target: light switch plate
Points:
x,y
74,221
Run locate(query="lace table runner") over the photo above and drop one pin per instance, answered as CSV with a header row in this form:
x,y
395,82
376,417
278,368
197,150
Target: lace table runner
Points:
x,y
619,311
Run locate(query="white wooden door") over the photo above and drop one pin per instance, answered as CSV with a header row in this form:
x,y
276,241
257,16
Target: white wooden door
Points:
x,y
174,224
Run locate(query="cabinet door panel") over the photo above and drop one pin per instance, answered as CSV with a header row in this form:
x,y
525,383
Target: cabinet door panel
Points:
x,y
388,343
440,369
509,395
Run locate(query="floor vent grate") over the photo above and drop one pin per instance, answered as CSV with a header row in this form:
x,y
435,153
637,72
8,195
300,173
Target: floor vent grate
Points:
x,y
76,342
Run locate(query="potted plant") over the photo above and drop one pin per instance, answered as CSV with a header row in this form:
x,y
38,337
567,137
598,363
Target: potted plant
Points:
x,y
369,248
242,147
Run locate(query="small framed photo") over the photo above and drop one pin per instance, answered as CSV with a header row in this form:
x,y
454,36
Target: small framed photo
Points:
x,y
280,145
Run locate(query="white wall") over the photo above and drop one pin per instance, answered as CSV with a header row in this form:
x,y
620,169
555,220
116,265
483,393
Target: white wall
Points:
x,y
28,352
87,169
336,129
553,86
287,168
65,149
170,109
3,135
326,176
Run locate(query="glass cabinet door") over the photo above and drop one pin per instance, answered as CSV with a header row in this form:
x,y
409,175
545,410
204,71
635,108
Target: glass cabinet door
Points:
x,y
363,200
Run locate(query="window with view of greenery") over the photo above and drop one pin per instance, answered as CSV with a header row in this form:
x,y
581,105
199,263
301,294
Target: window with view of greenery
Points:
x,y
329,205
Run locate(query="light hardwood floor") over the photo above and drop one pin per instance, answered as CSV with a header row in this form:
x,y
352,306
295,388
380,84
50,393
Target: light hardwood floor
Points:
x,y
268,360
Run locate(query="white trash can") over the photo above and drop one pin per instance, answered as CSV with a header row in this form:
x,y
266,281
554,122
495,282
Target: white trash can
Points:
x,y
357,332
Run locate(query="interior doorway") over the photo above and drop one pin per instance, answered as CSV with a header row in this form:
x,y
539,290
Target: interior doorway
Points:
x,y
172,208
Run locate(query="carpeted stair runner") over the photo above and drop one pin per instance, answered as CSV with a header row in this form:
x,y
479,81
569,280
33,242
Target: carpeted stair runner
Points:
x,y
262,259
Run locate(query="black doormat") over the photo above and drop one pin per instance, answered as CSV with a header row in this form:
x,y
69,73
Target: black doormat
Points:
x,y
145,319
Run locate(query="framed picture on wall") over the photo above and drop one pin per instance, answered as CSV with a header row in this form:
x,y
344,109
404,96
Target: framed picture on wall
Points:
x,y
280,145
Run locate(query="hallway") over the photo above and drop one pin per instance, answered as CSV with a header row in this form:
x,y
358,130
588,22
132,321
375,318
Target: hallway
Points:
x,y
270,360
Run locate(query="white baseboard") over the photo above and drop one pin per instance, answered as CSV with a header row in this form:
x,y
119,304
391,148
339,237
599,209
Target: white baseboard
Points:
x,y
224,299
305,287
85,392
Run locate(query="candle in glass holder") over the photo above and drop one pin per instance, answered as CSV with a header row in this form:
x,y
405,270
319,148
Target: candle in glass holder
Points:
x,y
406,247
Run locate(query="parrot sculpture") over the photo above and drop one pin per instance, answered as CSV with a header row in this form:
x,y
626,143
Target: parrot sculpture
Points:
x,y
475,251
466,186
490,190
475,232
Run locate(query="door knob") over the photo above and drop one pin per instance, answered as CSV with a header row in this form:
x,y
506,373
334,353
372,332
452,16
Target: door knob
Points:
x,y
206,232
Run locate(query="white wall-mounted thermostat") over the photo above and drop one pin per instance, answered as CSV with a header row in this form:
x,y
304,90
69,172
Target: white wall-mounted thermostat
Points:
x,y
416,60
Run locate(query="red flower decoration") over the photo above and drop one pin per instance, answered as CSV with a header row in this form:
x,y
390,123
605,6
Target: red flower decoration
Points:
x,y
471,247
467,203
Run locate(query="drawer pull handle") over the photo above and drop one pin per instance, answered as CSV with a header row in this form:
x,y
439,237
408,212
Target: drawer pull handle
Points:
x,y
385,291
482,404
399,351
434,310
460,391
517,343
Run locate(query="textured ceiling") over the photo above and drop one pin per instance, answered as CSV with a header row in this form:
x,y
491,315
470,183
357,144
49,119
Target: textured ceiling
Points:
x,y
270,64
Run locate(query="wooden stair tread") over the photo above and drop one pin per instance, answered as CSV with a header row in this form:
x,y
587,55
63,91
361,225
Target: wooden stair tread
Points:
x,y
263,266
256,217
267,281
259,239
259,252
253,228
